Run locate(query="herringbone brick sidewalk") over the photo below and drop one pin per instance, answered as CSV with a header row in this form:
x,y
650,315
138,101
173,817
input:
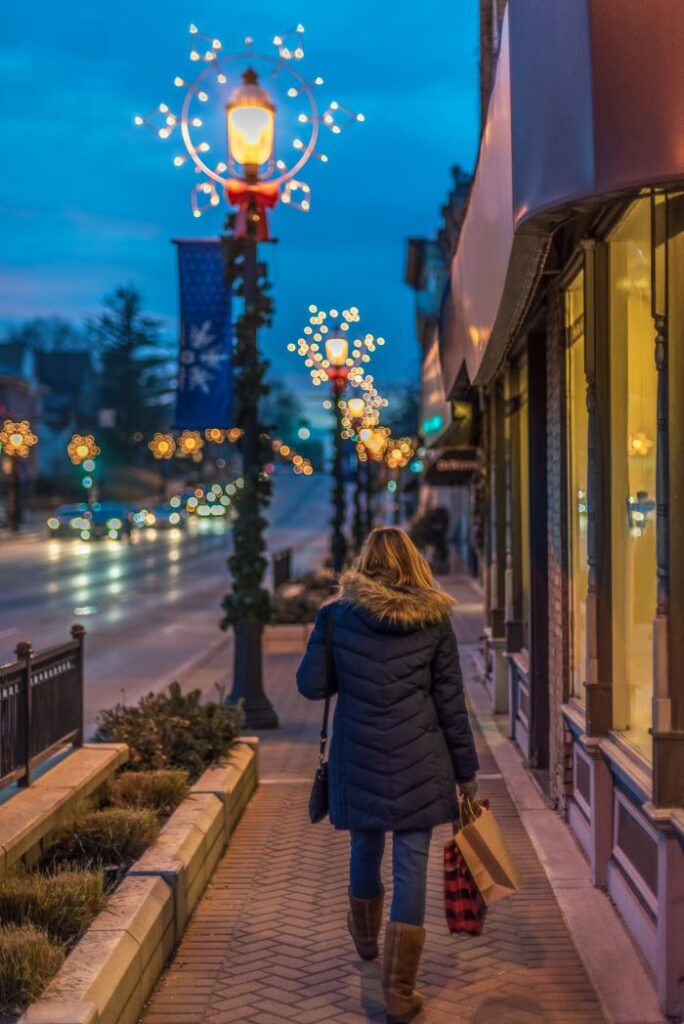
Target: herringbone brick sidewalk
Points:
x,y
268,943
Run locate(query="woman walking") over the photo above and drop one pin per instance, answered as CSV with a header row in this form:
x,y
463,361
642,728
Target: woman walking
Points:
x,y
401,741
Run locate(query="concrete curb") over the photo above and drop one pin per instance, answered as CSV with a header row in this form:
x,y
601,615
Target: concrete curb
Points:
x,y
31,816
111,972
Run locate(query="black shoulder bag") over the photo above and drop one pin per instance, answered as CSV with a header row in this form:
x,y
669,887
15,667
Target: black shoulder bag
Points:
x,y
318,801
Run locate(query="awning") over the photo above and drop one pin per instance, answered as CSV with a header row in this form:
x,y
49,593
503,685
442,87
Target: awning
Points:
x,y
586,104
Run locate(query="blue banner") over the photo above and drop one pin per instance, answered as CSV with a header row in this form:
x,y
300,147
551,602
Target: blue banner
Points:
x,y
205,370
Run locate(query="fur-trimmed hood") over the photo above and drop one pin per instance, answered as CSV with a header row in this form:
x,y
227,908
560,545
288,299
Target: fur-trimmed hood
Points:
x,y
403,607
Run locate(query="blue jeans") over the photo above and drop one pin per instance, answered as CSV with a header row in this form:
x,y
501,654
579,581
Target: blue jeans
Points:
x,y
409,870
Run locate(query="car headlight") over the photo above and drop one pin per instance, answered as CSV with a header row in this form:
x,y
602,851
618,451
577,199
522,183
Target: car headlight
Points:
x,y
53,524
114,524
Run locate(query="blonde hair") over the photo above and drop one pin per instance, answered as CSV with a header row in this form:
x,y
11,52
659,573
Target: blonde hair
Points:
x,y
389,551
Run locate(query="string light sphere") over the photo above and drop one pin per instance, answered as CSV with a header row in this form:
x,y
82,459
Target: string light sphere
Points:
x,y
81,448
215,81
17,438
162,446
190,443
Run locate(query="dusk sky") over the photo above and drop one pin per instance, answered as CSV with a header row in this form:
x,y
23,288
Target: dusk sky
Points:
x,y
88,201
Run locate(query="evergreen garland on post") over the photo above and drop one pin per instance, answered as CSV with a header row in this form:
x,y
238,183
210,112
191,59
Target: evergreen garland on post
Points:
x,y
249,600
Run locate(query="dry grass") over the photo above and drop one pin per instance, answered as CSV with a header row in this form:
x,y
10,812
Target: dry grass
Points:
x,y
114,836
29,959
161,791
64,903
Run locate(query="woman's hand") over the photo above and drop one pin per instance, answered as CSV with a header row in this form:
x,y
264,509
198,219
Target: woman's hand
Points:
x,y
468,789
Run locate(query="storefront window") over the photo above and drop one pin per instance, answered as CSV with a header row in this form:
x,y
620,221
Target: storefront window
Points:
x,y
633,474
577,479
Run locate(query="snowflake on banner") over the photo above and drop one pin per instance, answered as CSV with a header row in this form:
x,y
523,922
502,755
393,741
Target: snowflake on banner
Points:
x,y
201,358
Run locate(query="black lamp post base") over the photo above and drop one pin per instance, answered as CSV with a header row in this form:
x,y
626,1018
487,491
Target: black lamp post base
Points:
x,y
247,678
260,714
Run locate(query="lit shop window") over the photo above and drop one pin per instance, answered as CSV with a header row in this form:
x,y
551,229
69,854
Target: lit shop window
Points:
x,y
577,479
633,474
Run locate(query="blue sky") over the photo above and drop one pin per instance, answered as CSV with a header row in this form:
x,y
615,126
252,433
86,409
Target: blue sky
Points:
x,y
88,201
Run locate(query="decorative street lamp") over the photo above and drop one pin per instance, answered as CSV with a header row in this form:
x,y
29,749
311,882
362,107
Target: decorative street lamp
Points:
x,y
16,441
330,356
252,177
359,413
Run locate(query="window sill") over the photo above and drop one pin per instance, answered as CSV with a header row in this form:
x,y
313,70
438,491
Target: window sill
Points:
x,y
632,767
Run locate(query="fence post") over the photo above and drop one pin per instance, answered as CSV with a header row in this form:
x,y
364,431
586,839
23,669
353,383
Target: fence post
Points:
x,y
78,633
24,653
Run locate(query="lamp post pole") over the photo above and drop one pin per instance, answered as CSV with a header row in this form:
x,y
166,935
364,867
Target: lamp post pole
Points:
x,y
249,601
369,496
339,542
15,516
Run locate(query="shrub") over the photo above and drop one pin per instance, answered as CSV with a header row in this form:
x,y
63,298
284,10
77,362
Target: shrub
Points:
x,y
29,958
160,791
113,836
63,903
172,730
297,601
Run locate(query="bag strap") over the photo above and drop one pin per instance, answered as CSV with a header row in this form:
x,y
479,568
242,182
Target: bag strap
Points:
x,y
329,675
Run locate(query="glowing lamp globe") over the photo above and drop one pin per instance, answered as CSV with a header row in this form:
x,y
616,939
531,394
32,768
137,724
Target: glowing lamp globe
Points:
x,y
251,125
356,407
336,349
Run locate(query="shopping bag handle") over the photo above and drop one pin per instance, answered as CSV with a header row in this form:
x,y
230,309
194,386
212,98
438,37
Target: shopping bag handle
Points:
x,y
468,810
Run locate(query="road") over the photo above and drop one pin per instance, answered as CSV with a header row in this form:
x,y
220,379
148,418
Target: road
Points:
x,y
150,607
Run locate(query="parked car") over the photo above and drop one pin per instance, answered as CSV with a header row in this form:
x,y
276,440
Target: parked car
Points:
x,y
69,520
110,519
101,519
160,517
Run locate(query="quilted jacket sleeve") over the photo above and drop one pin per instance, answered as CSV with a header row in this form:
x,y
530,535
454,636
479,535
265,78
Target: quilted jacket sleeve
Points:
x,y
312,674
449,698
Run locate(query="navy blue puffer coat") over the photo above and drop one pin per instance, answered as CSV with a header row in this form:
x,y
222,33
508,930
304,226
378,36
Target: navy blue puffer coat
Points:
x,y
401,735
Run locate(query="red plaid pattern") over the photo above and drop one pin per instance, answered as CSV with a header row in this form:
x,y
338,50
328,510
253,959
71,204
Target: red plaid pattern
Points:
x,y
463,905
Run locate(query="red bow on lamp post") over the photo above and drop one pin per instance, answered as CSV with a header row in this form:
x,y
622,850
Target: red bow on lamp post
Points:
x,y
252,201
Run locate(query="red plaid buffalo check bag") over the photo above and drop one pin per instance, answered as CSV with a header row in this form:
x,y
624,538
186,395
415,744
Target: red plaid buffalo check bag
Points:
x,y
463,905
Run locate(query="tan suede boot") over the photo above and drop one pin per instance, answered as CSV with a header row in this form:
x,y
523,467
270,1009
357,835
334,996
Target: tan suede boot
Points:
x,y
364,920
403,948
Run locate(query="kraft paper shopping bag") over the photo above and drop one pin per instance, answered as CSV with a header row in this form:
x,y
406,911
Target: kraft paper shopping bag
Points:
x,y
486,853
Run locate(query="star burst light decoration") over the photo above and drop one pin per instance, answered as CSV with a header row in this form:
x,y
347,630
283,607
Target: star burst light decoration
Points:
x,y
372,443
399,452
162,446
17,438
82,447
208,89
322,328
362,412
190,442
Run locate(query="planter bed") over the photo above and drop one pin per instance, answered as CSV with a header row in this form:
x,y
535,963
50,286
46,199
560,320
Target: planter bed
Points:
x,y
287,637
30,817
113,968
